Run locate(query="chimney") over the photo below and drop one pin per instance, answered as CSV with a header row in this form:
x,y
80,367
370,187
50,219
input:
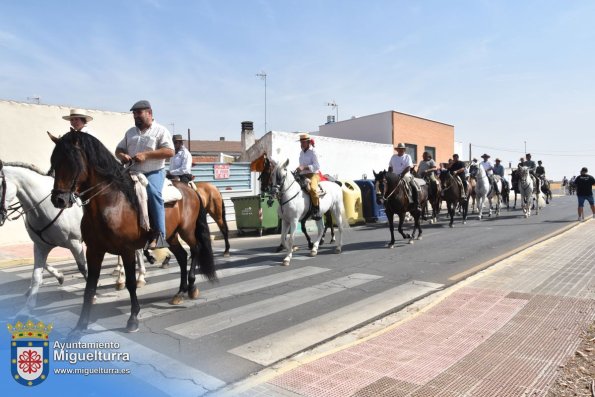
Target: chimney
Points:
x,y
248,138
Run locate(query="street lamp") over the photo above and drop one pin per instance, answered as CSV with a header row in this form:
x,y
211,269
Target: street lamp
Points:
x,y
333,104
263,76
525,147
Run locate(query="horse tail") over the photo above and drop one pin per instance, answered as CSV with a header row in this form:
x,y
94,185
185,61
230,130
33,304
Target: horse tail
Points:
x,y
204,257
341,209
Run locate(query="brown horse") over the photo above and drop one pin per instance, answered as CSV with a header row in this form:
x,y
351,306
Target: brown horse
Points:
x,y
391,191
452,193
84,168
211,197
265,166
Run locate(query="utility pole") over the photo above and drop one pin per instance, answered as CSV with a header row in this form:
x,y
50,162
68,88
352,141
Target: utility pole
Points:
x,y
263,76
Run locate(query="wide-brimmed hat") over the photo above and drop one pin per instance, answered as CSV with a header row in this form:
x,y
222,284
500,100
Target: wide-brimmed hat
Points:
x,y
485,155
177,137
400,146
305,137
78,113
143,104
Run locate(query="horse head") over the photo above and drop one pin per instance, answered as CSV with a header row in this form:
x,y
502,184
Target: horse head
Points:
x,y
277,179
69,169
379,184
3,210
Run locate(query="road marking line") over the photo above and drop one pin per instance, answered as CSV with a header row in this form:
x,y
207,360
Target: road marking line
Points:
x,y
207,325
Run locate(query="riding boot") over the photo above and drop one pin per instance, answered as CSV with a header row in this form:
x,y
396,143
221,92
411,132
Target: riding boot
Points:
x,y
157,242
316,215
415,197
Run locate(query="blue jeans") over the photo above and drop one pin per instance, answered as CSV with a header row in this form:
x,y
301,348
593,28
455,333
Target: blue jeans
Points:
x,y
155,200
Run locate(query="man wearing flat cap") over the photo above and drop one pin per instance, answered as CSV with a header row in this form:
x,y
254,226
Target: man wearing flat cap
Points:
x,y
149,144
309,168
180,165
78,120
401,165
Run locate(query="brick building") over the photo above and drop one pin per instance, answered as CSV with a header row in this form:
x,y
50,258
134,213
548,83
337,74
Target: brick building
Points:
x,y
214,151
391,127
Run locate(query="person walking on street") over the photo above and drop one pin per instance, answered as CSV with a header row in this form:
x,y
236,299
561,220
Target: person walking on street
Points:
x,y
149,144
180,165
584,192
78,120
309,168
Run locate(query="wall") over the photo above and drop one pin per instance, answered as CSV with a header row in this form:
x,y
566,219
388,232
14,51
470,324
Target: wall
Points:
x,y
423,132
342,158
23,138
372,128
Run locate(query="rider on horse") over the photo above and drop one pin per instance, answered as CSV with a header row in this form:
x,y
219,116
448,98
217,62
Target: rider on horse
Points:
x,y
401,165
180,166
489,169
427,168
309,168
499,170
149,144
457,169
540,170
530,164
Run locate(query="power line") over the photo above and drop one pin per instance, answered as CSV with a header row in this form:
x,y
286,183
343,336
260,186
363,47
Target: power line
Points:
x,y
561,154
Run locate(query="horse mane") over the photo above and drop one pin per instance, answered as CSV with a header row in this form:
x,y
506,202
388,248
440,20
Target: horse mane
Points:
x,y
101,160
30,167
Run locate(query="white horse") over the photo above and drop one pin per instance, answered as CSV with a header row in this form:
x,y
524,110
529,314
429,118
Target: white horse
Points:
x,y
46,225
294,204
528,185
484,191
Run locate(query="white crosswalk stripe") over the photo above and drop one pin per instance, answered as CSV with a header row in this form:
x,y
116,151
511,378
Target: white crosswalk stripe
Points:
x,y
207,325
289,341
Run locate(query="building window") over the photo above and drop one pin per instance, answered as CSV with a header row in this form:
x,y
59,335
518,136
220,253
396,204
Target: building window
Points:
x,y
411,151
431,150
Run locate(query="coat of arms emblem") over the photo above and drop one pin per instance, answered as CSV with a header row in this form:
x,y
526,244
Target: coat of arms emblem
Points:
x,y
29,348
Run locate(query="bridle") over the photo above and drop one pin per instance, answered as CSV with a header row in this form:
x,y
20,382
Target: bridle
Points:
x,y
278,193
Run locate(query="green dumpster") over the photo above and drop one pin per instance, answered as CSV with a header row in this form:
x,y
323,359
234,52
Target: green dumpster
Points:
x,y
253,213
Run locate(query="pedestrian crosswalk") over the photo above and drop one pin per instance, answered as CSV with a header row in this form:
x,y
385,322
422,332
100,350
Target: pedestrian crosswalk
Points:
x,y
253,277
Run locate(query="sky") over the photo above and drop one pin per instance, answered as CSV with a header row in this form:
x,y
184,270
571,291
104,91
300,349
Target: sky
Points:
x,y
506,74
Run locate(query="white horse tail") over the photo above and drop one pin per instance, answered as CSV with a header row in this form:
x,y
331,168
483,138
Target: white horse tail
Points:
x,y
541,200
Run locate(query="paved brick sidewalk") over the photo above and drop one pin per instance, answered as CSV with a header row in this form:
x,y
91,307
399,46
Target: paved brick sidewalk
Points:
x,y
503,332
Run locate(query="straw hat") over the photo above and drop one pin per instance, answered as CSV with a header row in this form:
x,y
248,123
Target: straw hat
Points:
x,y
401,146
80,113
305,137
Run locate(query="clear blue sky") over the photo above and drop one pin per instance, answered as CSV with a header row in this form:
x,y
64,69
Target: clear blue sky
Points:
x,y
502,72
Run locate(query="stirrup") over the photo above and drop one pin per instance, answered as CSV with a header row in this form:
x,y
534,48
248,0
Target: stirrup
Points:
x,y
157,243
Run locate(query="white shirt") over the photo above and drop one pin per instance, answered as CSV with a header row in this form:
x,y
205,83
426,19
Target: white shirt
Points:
x,y
181,163
155,137
487,166
309,159
399,163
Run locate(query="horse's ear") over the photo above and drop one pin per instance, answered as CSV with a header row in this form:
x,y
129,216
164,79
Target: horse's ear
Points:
x,y
375,174
53,138
1,165
285,164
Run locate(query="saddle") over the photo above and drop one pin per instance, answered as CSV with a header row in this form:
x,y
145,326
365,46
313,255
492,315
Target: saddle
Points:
x,y
305,185
169,193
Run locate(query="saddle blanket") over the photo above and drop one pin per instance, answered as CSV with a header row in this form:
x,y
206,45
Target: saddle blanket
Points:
x,y
169,193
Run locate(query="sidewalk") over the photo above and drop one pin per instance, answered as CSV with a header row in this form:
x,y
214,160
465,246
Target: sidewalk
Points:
x,y
506,331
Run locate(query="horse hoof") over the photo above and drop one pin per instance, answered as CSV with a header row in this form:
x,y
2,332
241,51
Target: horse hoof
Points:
x,y
419,238
453,225
295,248
313,253
390,246
411,241
94,300
132,326
193,293
337,250
333,240
165,266
61,280
226,254
285,262
120,286
140,283
176,300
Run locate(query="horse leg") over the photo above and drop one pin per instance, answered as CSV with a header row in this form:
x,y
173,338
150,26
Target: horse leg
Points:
x,y
94,261
339,219
329,223
130,268
140,263
289,242
121,280
182,258
401,220
303,223
315,244
40,255
76,248
391,227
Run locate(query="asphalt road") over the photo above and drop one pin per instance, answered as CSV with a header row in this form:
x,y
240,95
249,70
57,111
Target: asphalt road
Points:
x,y
260,312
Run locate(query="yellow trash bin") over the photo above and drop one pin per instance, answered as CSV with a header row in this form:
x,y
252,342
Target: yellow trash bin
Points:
x,y
352,201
